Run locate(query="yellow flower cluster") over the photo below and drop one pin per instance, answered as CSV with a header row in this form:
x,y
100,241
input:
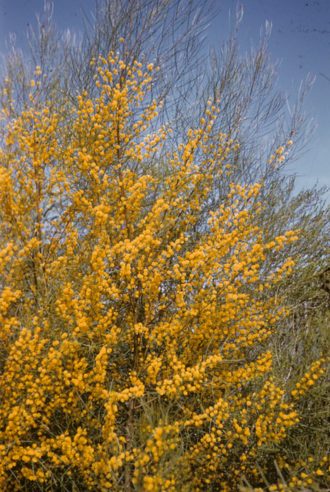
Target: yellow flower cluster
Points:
x,y
280,154
304,475
309,378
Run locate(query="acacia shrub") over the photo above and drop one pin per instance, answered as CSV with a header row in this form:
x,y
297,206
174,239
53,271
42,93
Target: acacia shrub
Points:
x,y
134,351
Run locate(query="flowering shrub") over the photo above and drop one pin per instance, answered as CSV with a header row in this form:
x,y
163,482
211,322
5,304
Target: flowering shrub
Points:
x,y
133,327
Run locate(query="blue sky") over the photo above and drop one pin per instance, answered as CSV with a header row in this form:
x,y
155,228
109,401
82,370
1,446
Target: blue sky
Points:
x,y
300,40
